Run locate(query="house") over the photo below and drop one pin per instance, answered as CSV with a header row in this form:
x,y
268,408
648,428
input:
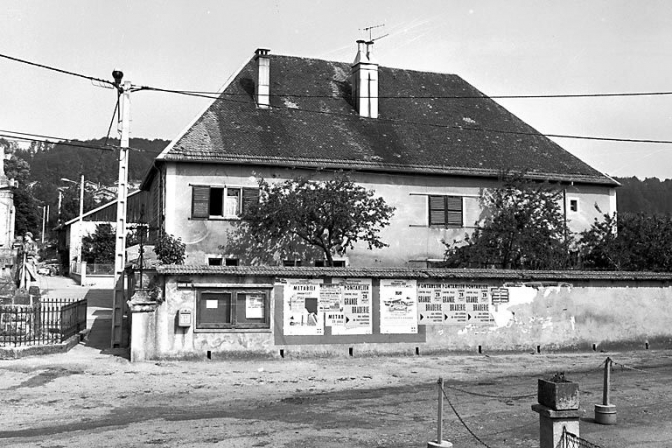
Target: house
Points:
x,y
71,233
429,143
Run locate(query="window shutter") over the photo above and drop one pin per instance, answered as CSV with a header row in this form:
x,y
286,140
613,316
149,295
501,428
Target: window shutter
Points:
x,y
437,211
199,202
250,196
454,210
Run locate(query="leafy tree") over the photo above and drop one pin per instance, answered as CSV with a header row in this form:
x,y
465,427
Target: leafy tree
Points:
x,y
633,242
524,228
170,250
99,247
327,217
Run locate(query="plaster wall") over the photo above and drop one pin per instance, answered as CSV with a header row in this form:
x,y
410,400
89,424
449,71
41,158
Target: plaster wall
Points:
x,y
411,241
550,318
175,341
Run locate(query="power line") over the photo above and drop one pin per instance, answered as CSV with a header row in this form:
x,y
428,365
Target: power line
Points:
x,y
417,123
21,136
58,70
298,95
428,97
220,97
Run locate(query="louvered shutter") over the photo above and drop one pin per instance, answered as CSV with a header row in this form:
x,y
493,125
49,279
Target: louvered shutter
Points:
x,y
454,210
200,207
250,196
437,211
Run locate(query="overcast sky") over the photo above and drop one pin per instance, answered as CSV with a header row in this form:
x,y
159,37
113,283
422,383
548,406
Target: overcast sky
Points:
x,y
526,47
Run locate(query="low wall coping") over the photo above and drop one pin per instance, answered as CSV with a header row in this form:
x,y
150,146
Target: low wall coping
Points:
x,y
462,274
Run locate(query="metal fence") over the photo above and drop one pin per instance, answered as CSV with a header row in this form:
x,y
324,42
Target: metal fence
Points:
x,y
99,268
570,440
51,321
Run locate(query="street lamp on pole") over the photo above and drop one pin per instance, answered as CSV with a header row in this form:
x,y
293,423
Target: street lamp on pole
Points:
x,y
81,218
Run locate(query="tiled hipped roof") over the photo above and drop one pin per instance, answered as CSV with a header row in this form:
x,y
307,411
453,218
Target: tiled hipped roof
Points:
x,y
312,123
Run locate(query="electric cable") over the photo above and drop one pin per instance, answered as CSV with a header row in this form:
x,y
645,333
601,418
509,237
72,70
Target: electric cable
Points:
x,y
58,70
220,97
434,125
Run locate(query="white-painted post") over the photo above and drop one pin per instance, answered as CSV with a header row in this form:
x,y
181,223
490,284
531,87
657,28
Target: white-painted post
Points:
x,y
122,193
605,413
439,442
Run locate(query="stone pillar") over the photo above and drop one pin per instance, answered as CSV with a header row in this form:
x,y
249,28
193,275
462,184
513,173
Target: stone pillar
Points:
x,y
552,423
143,327
558,409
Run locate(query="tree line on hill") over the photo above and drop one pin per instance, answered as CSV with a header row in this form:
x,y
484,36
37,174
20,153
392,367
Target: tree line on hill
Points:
x,y
650,196
40,170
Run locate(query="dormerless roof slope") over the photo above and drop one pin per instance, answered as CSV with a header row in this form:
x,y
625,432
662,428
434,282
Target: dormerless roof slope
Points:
x,y
312,123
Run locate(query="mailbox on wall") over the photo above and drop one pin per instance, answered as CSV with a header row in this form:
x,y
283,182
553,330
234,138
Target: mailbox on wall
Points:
x,y
184,318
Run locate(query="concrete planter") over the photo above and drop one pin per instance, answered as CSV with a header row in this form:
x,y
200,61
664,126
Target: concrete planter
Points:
x,y
559,396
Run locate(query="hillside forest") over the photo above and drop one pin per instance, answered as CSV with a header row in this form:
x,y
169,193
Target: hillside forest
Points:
x,y
45,171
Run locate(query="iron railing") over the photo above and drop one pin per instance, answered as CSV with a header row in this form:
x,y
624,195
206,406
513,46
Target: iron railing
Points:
x,y
51,321
570,440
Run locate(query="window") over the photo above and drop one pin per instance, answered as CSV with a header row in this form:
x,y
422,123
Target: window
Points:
x,y
214,261
231,262
445,211
323,263
221,202
288,262
232,309
574,205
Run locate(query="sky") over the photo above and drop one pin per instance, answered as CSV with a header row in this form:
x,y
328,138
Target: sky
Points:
x,y
517,47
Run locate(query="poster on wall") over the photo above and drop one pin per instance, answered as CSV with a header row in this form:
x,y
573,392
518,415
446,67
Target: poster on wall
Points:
x,y
398,306
430,304
478,306
450,304
356,307
331,304
254,306
302,314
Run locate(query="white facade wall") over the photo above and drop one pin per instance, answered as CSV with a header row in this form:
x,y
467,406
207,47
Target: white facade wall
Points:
x,y
411,241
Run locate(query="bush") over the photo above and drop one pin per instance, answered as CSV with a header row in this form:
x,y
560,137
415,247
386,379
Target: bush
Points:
x,y
170,250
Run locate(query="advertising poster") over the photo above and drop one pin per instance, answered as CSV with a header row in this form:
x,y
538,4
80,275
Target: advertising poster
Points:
x,y
450,304
430,304
356,307
478,306
331,304
302,314
254,306
398,306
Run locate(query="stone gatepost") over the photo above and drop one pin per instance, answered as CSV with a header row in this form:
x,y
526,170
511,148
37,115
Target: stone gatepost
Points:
x,y
143,326
558,409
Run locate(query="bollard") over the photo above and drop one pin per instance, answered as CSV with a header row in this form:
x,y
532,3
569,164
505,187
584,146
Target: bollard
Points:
x,y
439,442
605,413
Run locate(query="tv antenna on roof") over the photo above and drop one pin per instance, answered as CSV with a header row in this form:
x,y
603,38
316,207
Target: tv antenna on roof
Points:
x,y
370,28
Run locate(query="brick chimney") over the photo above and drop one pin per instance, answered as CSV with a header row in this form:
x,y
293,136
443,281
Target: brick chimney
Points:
x,y
364,77
262,89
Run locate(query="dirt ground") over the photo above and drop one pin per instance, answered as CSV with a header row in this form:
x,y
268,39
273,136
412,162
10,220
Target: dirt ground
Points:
x,y
91,397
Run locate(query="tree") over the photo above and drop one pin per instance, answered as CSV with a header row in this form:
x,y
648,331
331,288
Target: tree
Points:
x,y
329,216
99,247
633,242
524,228
170,250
